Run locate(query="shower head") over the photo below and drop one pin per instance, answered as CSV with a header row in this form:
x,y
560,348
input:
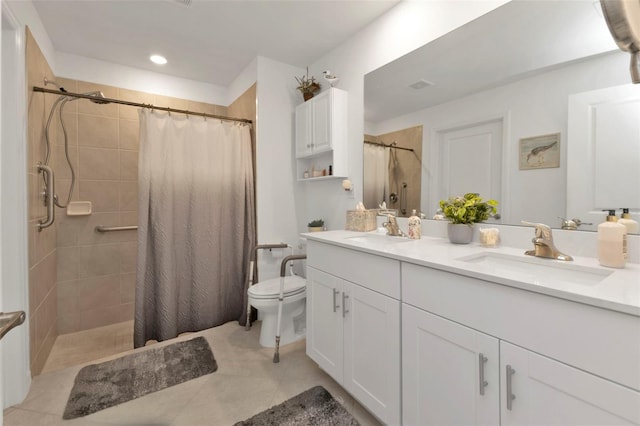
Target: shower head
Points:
x,y
98,97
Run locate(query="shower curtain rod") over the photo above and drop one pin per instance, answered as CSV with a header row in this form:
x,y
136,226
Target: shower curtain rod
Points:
x,y
137,104
388,146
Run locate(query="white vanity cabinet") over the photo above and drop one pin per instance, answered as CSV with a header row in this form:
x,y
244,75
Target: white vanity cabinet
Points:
x,y
353,324
449,372
321,133
546,392
556,361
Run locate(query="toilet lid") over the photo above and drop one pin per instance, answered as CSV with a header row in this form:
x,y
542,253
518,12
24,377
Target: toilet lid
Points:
x,y
271,288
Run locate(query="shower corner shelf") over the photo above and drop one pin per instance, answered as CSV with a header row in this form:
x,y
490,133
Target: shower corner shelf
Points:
x,y
79,208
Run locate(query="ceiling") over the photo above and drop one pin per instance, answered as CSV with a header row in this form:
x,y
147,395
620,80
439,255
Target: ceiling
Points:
x,y
516,40
210,41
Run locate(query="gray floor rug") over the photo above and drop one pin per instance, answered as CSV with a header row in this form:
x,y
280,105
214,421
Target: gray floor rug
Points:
x,y
313,407
99,386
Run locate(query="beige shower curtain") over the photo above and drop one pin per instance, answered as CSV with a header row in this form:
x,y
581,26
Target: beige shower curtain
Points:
x,y
196,224
376,175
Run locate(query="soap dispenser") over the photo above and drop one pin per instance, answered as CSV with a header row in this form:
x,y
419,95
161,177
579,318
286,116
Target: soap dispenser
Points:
x,y
415,226
612,242
626,220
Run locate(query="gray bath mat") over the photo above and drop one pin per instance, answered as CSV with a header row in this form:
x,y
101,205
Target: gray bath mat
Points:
x,y
313,407
100,386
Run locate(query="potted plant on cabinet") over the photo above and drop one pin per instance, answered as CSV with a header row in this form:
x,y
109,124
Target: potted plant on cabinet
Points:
x,y
307,86
316,225
462,212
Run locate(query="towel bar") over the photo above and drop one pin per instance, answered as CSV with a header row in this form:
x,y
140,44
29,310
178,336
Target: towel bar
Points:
x,y
101,228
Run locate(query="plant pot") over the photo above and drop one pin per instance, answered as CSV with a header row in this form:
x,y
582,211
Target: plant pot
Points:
x,y
307,95
315,228
460,233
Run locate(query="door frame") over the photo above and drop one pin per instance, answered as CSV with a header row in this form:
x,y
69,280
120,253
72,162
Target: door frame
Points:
x,y
14,280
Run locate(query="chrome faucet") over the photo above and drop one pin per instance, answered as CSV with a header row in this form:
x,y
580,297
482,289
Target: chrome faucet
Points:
x,y
543,243
392,227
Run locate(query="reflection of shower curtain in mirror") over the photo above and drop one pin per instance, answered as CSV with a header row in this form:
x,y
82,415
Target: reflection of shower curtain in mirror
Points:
x,y
196,224
376,175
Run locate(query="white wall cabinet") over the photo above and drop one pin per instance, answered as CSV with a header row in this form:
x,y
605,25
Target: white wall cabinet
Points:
x,y
321,134
353,332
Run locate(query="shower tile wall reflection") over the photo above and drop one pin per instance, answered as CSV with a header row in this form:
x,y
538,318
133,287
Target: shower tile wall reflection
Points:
x,y
96,272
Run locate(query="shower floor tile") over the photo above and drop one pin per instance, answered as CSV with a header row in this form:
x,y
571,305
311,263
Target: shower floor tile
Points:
x,y
89,345
247,382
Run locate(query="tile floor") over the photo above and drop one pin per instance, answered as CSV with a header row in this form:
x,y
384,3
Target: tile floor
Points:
x,y
247,382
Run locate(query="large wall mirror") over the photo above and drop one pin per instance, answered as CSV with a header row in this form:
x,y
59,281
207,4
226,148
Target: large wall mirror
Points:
x,y
492,100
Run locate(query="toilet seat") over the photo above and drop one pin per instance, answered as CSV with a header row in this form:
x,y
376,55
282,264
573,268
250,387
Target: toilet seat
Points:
x,y
270,289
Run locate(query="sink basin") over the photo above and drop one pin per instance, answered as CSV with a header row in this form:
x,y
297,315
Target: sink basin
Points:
x,y
536,270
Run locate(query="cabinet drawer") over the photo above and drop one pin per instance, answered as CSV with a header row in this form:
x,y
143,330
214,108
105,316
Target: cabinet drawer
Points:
x,y
377,273
597,340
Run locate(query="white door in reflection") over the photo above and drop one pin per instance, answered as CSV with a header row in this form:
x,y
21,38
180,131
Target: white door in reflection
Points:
x,y
603,153
469,159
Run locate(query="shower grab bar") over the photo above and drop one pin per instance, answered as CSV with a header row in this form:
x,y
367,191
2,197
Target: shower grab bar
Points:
x,y
103,229
49,196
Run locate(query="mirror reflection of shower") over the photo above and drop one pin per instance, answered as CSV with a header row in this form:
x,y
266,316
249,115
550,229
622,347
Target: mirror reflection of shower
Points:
x,y
49,196
392,168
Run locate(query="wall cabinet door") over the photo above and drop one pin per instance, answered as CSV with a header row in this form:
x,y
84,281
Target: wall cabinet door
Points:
x,y
544,391
449,372
372,351
322,122
324,322
304,130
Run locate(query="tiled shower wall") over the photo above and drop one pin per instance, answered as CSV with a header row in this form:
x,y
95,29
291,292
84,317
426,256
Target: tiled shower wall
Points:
x,y
410,170
96,271
42,245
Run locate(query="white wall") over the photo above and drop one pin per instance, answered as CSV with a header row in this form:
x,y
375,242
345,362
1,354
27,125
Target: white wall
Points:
x,y
534,106
404,28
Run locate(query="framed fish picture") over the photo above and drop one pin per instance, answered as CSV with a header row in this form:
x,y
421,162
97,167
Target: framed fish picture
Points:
x,y
540,152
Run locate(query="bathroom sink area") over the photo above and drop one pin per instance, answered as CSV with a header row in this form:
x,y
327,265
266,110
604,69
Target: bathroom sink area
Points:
x,y
536,270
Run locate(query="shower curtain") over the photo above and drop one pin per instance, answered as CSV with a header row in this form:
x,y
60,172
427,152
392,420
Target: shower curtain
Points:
x,y
376,175
196,224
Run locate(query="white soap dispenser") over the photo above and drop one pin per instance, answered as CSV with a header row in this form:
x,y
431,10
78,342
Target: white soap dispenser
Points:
x,y
626,220
612,242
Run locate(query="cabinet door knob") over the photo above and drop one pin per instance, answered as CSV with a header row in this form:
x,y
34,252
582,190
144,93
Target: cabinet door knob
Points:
x,y
482,360
510,395
345,296
335,305
308,145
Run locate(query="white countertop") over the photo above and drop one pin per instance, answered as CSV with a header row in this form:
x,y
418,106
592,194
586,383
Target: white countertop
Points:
x,y
618,290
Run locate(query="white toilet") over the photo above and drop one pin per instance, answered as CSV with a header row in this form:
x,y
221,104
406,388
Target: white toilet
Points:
x,y
264,297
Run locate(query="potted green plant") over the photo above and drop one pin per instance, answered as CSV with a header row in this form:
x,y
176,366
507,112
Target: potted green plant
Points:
x,y
462,212
307,86
316,225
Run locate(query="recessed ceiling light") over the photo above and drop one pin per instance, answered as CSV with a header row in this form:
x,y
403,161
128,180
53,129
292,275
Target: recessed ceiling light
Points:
x,y
157,59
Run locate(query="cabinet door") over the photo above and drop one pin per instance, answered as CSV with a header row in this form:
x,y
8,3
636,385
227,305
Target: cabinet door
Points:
x,y
324,322
322,122
442,371
548,392
372,351
303,129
